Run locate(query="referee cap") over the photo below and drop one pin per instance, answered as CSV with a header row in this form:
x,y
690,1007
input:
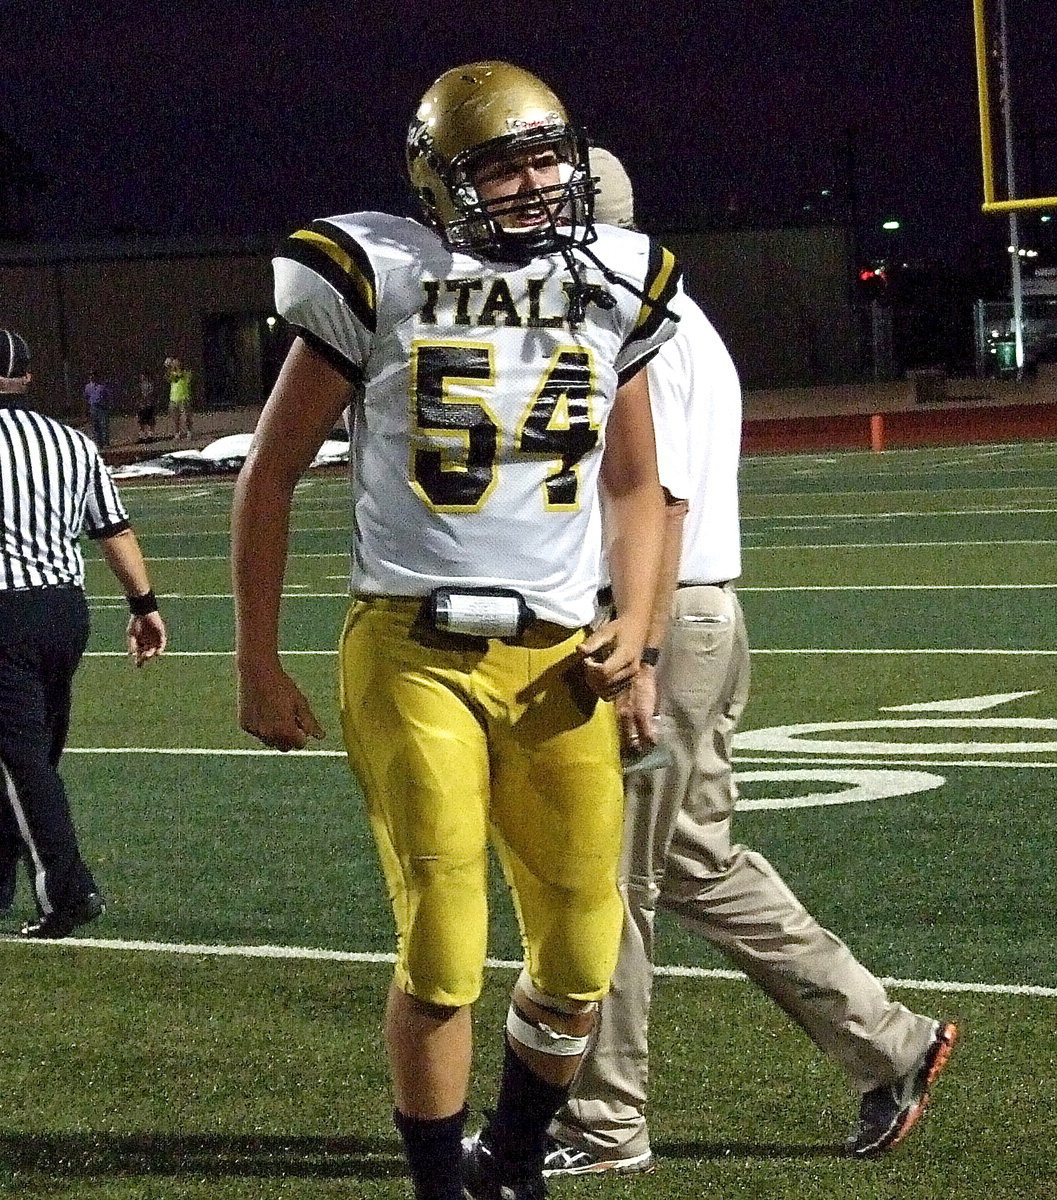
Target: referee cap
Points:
x,y
14,355
614,201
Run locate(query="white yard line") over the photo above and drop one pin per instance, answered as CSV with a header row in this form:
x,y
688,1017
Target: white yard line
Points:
x,y
155,558
225,531
914,514
749,493
776,760
112,602
900,587
883,759
305,953
961,650
203,653
224,558
204,751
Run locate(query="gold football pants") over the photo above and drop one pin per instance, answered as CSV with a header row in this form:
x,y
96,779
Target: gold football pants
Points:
x,y
453,741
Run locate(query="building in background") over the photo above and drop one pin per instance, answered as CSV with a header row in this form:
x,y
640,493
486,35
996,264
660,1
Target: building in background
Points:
x,y
782,298
994,328
124,306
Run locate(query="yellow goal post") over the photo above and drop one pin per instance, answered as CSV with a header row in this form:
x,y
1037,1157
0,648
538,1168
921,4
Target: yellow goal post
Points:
x,y
991,204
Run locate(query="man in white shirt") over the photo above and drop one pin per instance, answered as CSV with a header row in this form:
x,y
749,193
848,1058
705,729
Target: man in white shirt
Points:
x,y
677,844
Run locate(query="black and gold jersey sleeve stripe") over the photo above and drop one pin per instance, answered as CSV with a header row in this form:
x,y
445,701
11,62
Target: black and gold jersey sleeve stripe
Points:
x,y
339,259
660,285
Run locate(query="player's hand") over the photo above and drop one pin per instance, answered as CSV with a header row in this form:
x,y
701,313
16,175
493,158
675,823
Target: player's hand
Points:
x,y
272,708
636,707
611,658
146,637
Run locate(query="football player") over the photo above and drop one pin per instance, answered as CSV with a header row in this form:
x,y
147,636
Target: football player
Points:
x,y
493,360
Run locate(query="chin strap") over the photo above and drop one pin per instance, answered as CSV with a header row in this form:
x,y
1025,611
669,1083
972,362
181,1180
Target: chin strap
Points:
x,y
582,293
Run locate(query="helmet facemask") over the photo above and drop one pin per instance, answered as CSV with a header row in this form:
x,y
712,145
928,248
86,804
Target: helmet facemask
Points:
x,y
491,227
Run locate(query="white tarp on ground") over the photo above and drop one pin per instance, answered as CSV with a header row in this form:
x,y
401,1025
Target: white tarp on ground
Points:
x,y
226,454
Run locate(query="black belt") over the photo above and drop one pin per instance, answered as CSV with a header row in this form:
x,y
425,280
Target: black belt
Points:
x,y
605,594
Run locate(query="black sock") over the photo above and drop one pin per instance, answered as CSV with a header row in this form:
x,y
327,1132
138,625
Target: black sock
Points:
x,y
434,1154
518,1130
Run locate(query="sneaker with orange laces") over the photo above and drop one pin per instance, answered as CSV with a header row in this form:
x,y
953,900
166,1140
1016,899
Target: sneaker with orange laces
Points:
x,y
889,1112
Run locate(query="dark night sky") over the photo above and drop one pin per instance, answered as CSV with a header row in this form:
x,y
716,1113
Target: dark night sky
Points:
x,y
203,118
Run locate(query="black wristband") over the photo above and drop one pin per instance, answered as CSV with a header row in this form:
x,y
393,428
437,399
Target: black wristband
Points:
x,y
141,606
651,656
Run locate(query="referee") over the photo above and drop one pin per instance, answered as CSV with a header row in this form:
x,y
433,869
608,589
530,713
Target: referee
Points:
x,y
53,486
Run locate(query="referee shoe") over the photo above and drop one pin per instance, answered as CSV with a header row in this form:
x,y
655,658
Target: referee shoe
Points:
x,y
62,924
562,1159
888,1113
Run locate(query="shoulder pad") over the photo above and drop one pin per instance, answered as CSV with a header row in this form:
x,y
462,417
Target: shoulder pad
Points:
x,y
355,252
390,242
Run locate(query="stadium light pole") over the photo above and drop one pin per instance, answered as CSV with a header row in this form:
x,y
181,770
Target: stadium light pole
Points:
x,y
1011,189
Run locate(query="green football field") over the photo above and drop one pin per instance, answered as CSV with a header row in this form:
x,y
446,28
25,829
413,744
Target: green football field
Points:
x,y
218,1033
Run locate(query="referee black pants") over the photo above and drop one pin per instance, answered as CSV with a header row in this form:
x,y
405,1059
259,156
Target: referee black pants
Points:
x,y
43,633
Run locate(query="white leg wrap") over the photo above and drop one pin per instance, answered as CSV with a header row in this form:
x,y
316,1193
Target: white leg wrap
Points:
x,y
542,1038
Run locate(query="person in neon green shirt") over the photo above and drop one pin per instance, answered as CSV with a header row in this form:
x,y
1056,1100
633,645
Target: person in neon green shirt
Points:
x,y
179,398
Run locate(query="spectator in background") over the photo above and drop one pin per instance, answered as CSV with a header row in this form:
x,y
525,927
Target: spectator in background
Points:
x,y
179,398
97,398
146,412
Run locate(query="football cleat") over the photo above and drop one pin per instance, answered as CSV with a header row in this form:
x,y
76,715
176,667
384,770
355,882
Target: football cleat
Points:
x,y
888,1113
485,1178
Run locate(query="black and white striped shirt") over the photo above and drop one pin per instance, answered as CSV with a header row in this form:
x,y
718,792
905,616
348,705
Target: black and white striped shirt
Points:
x,y
53,487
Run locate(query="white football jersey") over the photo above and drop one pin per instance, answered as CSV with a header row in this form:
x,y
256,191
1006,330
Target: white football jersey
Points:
x,y
479,423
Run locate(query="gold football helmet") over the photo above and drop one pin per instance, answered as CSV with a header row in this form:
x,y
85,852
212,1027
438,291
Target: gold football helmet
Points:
x,y
484,111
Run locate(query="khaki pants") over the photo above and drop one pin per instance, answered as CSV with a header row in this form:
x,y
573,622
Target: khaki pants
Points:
x,y
678,854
